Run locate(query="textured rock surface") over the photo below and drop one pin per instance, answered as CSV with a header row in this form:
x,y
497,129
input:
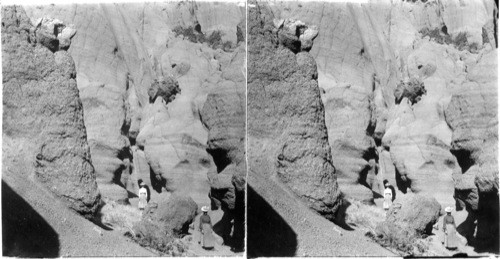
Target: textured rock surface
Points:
x,y
173,213
43,123
292,183
430,146
286,127
410,218
361,58
120,50
472,115
223,114
416,212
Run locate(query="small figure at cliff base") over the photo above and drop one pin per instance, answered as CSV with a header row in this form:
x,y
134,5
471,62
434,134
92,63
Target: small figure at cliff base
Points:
x,y
388,195
449,228
207,238
143,196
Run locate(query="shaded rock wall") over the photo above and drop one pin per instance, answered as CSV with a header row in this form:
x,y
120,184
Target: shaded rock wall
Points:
x,y
43,121
224,115
472,115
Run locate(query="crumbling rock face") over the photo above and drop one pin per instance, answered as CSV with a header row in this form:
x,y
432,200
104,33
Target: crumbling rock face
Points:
x,y
295,34
118,60
44,134
288,141
292,185
223,114
472,115
409,218
166,88
423,143
172,213
360,72
415,212
412,90
53,34
346,49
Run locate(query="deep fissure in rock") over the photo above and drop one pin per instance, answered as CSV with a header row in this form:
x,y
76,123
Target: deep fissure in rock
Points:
x,y
220,157
464,159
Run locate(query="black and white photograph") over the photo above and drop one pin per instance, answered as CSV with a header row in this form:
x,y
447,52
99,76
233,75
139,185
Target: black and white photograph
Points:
x,y
124,129
372,128
250,128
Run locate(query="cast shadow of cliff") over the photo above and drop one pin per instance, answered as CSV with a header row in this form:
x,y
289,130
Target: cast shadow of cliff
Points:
x,y
340,216
485,222
268,234
25,233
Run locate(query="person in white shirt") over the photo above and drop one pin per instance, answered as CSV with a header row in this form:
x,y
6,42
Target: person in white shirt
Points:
x,y
143,196
387,196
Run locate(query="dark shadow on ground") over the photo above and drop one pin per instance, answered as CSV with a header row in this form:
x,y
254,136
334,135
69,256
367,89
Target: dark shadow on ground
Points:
x,y
24,232
481,227
224,226
487,234
340,216
98,218
268,233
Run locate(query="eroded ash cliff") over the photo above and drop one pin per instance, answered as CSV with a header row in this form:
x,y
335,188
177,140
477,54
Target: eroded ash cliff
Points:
x,y
147,85
410,95
292,183
47,172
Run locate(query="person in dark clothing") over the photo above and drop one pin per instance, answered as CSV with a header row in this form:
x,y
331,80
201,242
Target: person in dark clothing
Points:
x,y
207,240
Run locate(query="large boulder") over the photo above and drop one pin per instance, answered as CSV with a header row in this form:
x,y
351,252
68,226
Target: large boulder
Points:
x,y
44,135
409,218
173,213
415,212
53,33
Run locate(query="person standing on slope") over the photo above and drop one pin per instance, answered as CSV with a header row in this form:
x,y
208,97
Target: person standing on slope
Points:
x,y
449,228
387,196
143,196
207,239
